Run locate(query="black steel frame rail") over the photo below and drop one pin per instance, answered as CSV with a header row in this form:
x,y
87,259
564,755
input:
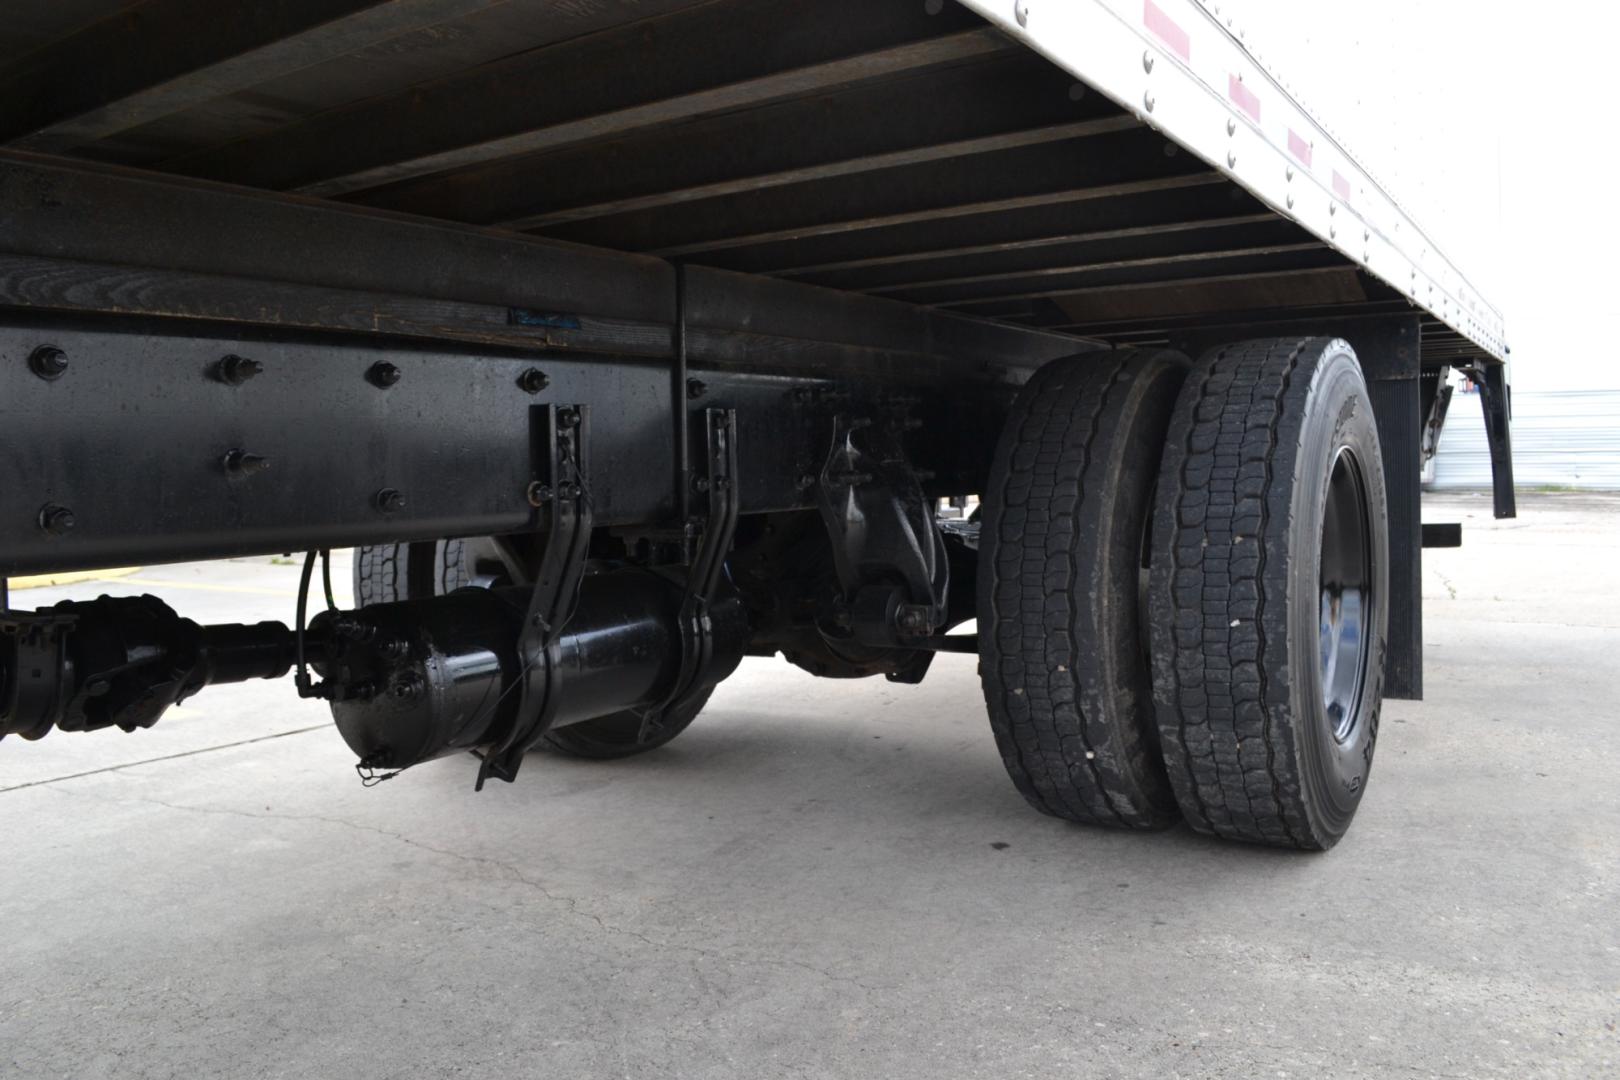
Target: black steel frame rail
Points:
x,y
92,238
195,371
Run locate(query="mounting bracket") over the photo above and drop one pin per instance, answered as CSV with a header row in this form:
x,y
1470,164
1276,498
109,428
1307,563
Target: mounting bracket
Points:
x,y
565,495
719,485
887,550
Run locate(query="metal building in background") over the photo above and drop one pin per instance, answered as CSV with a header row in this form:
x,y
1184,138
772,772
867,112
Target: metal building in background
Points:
x,y
1562,438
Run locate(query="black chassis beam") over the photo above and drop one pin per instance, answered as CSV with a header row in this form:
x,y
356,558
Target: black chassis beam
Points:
x,y
399,371
156,456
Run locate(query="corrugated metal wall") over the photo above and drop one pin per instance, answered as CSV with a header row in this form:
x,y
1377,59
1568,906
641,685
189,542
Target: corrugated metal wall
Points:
x,y
1568,438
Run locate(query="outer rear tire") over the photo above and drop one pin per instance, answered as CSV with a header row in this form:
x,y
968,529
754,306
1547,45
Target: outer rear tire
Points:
x,y
1271,475
387,573
1061,553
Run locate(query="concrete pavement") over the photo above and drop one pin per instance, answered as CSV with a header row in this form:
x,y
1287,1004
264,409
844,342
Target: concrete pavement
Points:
x,y
831,880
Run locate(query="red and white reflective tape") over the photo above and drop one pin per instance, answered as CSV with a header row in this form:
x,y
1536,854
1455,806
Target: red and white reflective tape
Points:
x,y
1167,30
1243,97
1341,186
1299,147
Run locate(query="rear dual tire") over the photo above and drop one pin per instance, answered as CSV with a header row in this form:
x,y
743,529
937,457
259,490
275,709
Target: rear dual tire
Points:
x,y
1268,593
1065,513
1253,488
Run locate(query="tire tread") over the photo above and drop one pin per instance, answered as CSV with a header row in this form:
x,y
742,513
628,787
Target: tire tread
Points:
x,y
1220,619
1049,681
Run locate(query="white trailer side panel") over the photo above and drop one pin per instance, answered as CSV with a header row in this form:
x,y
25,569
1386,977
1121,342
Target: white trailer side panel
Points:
x,y
1183,68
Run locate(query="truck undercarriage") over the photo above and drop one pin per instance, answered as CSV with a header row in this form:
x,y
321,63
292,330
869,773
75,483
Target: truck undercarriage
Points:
x,y
628,339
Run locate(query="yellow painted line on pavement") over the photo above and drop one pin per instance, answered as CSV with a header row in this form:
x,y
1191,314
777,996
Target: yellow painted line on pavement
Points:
x,y
204,586
71,577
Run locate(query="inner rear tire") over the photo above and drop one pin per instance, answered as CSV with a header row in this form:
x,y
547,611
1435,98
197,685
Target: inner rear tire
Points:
x,y
1268,593
1061,556
386,573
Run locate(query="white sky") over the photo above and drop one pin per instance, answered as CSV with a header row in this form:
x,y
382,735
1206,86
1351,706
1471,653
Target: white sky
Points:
x,y
1492,124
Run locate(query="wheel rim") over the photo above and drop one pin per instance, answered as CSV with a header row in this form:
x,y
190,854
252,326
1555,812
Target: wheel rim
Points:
x,y
1346,611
